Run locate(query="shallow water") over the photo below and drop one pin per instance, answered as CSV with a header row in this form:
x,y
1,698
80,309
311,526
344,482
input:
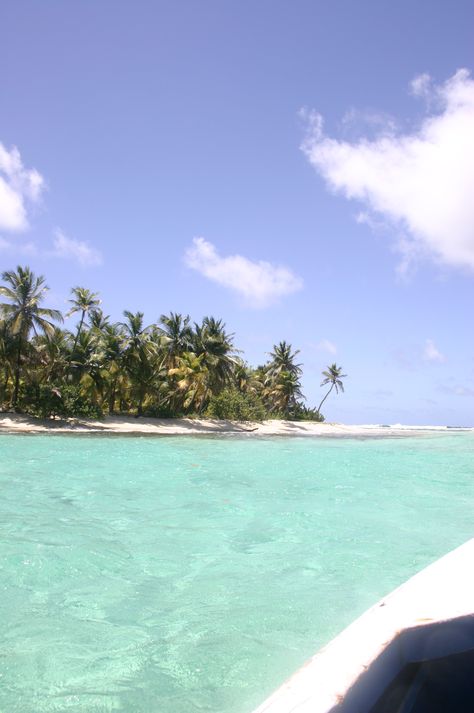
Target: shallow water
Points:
x,y
180,574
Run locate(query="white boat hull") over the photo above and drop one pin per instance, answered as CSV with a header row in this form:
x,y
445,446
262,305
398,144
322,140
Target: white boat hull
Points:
x,y
430,617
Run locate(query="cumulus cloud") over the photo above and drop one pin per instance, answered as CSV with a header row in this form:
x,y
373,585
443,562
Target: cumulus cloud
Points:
x,y
260,283
21,187
422,182
18,187
77,250
432,353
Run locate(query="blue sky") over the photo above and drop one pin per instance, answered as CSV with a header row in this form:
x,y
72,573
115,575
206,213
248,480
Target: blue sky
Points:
x,y
303,170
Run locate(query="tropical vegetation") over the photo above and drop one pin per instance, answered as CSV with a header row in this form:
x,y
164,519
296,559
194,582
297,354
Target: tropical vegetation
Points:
x,y
170,368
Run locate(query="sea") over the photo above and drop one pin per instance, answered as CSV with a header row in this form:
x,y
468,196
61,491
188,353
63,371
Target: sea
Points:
x,y
185,574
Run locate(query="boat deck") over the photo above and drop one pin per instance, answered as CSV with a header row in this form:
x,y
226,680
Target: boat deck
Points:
x,y
438,686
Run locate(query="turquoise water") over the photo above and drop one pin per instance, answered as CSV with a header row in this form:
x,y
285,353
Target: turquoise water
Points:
x,y
172,575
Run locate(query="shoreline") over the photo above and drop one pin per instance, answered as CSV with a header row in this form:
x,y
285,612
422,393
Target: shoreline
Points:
x,y
128,425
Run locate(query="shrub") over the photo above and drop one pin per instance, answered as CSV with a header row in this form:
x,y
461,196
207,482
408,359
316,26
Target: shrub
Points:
x,y
45,400
234,405
300,412
161,411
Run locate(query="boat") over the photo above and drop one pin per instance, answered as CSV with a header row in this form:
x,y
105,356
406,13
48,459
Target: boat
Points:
x,y
413,652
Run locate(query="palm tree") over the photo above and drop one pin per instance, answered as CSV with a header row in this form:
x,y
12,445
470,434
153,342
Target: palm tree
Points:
x,y
283,359
216,347
83,301
191,378
54,350
177,336
139,350
334,377
98,321
283,392
112,340
25,291
88,357
246,379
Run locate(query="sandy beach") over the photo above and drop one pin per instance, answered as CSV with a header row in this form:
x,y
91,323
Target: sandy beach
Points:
x,y
16,423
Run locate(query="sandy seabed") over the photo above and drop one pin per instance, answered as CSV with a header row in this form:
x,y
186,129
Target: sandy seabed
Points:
x,y
16,423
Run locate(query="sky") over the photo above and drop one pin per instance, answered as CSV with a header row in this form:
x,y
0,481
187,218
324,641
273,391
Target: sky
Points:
x,y
303,170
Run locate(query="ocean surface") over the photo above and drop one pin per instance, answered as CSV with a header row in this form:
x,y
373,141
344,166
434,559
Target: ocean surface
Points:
x,y
182,574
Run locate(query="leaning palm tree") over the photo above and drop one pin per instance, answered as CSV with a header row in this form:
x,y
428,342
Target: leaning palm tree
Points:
x,y
22,313
83,301
334,377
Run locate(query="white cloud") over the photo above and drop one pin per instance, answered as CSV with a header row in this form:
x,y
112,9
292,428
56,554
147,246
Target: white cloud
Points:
x,y
432,353
422,85
18,186
421,183
326,346
260,283
356,123
77,250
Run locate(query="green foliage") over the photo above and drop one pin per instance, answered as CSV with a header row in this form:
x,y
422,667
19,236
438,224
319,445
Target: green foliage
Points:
x,y
44,400
300,412
233,405
167,370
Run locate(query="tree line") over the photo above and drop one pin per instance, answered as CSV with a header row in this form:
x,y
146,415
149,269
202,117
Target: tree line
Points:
x,y
171,368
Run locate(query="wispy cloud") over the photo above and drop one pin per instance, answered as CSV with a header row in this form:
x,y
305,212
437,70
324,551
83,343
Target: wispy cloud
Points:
x,y
432,353
260,283
421,183
356,123
27,249
18,187
77,250
412,357
456,389
381,394
325,345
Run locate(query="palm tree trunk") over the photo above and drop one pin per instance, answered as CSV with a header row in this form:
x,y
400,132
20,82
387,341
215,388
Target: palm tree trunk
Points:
x,y
319,407
78,331
112,397
5,383
75,343
141,396
17,373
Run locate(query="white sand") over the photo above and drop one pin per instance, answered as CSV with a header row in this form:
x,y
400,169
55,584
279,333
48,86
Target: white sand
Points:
x,y
15,423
